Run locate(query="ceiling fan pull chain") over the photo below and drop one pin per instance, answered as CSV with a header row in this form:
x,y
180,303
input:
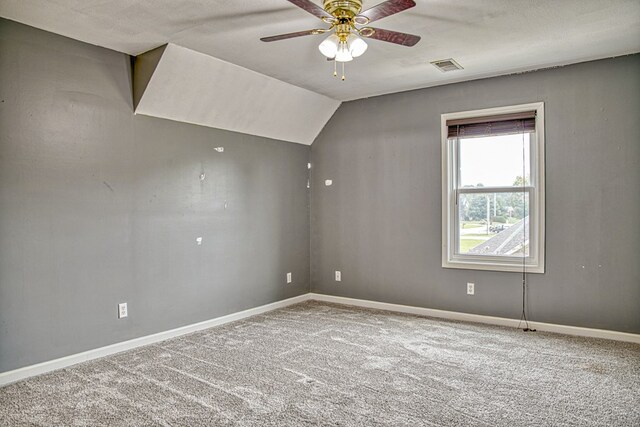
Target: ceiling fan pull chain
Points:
x,y
343,78
335,68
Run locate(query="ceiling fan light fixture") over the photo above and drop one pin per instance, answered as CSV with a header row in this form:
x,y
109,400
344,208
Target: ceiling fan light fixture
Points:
x,y
329,46
347,24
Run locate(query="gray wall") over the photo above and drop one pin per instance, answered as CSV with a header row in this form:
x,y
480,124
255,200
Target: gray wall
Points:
x,y
380,222
98,206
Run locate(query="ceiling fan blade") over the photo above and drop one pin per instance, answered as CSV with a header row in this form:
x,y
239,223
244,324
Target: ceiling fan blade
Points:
x,y
312,8
396,37
292,35
383,10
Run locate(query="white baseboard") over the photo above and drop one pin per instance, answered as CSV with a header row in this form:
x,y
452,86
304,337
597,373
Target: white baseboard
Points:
x,y
52,365
63,362
478,318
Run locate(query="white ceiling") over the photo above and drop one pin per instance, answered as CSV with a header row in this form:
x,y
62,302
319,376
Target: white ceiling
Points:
x,y
180,88
489,37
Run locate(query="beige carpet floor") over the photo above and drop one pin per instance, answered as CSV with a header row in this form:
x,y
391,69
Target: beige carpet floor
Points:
x,y
323,364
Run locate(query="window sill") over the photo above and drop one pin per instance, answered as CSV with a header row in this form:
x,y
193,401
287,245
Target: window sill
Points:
x,y
492,266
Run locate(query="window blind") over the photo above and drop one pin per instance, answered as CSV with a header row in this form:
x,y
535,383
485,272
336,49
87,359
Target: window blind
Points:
x,y
503,124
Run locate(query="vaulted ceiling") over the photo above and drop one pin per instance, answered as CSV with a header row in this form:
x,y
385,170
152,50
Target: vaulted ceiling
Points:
x,y
490,37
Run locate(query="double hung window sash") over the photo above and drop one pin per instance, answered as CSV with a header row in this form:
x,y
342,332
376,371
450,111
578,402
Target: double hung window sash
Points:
x,y
493,222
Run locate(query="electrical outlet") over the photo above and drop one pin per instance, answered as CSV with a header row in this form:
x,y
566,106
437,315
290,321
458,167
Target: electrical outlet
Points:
x,y
471,288
338,276
122,310
289,280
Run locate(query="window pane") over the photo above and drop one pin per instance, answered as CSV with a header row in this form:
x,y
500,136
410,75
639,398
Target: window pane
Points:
x,y
493,224
495,161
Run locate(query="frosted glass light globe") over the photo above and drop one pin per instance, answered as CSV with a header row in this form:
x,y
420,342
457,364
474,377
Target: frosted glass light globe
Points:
x,y
357,46
343,54
329,46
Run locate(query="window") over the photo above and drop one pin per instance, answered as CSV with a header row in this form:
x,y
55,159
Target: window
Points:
x,y
493,189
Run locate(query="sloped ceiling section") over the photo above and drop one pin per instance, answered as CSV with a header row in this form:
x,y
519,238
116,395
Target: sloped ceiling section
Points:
x,y
176,83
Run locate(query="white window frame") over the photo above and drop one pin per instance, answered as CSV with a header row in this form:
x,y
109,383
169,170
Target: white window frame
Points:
x,y
535,262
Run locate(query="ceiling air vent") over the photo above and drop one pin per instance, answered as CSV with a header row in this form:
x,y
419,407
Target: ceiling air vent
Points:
x,y
446,65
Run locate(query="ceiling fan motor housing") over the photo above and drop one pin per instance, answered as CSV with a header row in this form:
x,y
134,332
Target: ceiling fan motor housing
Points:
x,y
343,8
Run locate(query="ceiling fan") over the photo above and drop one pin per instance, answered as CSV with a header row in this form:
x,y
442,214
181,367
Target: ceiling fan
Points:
x,y
347,21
